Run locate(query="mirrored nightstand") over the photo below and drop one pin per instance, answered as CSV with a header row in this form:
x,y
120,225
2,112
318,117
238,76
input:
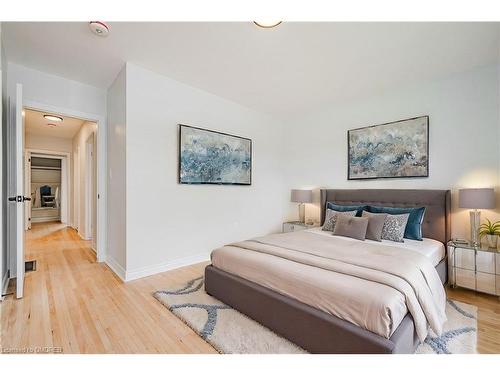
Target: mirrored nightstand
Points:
x,y
476,268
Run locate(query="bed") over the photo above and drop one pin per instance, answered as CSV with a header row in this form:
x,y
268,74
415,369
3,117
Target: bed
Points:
x,y
326,317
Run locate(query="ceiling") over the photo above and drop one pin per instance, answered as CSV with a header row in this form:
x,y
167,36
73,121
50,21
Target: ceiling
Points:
x,y
285,71
36,124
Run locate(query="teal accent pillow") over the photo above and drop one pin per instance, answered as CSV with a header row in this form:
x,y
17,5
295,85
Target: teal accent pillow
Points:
x,y
413,230
341,208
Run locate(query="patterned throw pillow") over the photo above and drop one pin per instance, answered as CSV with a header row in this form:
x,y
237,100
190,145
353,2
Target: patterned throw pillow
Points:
x,y
331,218
394,227
413,229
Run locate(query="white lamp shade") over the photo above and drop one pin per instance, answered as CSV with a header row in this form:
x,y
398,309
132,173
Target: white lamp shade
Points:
x,y
301,196
476,198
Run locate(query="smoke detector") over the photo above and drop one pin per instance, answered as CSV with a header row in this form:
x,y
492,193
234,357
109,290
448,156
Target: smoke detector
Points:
x,y
99,28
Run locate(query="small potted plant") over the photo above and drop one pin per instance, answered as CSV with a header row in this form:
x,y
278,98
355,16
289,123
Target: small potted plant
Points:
x,y
490,231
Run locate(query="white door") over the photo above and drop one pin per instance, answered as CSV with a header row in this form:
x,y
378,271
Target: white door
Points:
x,y
16,190
27,189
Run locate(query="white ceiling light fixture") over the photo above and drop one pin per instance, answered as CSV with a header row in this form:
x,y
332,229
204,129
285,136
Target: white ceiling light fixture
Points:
x,y
99,28
267,24
53,118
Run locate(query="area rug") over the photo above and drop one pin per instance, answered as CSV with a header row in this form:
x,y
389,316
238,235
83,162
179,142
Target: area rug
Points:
x,y
229,331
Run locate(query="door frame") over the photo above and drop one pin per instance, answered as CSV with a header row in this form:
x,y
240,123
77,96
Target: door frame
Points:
x,y
76,189
101,192
65,158
89,187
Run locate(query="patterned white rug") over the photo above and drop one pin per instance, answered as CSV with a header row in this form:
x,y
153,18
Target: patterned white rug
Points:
x,y
229,331
459,333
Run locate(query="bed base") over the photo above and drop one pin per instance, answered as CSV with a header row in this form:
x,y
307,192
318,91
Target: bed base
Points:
x,y
317,331
314,330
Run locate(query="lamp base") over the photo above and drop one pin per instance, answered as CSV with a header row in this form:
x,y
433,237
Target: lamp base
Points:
x,y
302,212
475,220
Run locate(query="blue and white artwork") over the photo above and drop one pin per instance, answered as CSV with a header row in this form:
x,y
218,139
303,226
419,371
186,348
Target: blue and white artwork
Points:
x,y
397,149
209,157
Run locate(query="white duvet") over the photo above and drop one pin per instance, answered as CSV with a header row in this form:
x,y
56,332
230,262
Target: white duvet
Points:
x,y
432,249
370,284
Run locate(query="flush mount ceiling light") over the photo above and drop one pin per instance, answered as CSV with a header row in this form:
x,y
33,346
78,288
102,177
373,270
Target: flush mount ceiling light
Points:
x,y
267,24
99,28
53,118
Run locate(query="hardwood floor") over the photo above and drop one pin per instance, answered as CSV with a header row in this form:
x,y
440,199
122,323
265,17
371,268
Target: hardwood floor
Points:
x,y
488,323
73,303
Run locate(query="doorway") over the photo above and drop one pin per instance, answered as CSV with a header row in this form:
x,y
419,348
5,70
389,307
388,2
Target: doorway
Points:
x,y
60,183
17,108
47,184
60,149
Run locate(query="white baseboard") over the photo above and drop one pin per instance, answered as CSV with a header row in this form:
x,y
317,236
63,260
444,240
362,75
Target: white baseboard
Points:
x,y
44,219
151,270
83,237
116,268
5,284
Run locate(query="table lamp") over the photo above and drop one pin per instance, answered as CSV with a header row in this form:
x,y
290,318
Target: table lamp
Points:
x,y
301,197
476,199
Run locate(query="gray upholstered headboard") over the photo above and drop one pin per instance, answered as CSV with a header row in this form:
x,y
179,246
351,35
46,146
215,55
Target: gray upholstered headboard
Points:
x,y
436,223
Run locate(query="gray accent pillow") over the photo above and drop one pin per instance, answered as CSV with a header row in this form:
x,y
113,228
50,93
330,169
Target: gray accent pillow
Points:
x,y
331,218
353,227
375,225
394,227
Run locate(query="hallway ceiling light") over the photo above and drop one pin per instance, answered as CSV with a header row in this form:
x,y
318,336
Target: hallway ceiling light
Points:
x,y
53,118
99,28
267,24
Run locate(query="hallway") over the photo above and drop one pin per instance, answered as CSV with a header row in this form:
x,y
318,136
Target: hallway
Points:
x,y
74,305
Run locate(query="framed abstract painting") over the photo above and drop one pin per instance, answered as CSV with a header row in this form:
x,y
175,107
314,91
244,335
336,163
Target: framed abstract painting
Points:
x,y
210,157
397,149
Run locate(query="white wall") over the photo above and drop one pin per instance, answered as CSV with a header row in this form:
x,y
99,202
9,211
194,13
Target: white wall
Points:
x,y
169,224
88,129
464,141
53,90
116,159
47,143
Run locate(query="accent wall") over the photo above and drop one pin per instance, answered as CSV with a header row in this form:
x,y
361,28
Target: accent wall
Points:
x,y
463,114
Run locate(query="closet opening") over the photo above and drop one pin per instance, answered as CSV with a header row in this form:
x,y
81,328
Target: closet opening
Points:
x,y
45,185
